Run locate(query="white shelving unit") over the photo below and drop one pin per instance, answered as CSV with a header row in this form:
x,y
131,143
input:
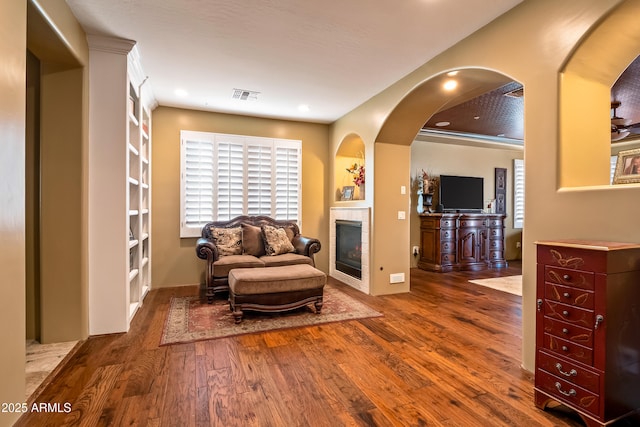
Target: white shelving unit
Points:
x,y
119,185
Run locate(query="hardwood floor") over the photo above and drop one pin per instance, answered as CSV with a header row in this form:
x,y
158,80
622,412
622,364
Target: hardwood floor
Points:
x,y
445,354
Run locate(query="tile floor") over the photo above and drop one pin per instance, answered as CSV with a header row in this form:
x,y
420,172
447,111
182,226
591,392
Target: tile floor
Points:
x,y
42,359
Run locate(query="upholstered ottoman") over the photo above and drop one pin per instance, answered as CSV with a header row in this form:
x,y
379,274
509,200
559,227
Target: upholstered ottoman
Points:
x,y
275,288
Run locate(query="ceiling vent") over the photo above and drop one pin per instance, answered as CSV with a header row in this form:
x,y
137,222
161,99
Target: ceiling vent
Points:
x,y
245,95
516,93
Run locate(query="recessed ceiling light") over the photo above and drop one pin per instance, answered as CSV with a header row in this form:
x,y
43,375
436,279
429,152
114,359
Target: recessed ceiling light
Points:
x,y
450,85
303,107
181,93
476,117
443,124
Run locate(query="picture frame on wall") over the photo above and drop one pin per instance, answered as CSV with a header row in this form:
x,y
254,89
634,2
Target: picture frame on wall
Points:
x,y
501,190
627,167
347,192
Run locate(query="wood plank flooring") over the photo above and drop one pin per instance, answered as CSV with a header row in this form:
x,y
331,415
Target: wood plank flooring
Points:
x,y
445,354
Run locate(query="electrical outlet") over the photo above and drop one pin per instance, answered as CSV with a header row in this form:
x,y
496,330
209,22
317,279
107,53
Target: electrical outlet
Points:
x,y
518,245
416,250
396,278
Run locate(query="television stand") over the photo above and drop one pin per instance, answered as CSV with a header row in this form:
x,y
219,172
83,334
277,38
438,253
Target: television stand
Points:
x,y
461,241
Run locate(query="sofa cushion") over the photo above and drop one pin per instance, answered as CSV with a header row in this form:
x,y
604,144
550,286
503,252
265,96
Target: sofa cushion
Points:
x,y
276,241
225,264
252,240
285,259
227,240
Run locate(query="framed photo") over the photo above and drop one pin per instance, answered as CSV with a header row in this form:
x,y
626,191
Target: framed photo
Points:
x,y
347,192
627,167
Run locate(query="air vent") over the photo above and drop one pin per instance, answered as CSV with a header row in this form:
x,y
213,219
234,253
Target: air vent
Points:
x,y
516,93
245,95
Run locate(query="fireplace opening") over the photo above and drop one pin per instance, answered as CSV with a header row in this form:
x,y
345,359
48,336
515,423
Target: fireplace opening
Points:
x,y
349,247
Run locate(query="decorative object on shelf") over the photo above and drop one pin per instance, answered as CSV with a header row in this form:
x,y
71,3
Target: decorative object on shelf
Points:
x,y
347,192
357,172
627,167
425,192
500,202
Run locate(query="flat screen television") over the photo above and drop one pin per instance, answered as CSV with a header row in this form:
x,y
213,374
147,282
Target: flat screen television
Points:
x,y
461,193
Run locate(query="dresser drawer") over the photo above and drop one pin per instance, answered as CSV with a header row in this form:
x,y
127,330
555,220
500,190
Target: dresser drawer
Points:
x,y
572,394
570,314
570,372
568,277
448,223
447,234
448,258
569,295
564,330
472,222
447,246
568,349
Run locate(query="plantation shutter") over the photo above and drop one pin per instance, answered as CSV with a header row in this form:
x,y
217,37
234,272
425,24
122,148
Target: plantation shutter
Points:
x,y
230,178
259,179
223,176
287,181
198,182
518,193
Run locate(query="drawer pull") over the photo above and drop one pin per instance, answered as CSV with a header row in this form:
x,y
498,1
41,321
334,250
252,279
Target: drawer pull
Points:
x,y
570,393
566,295
571,373
565,331
599,320
539,302
566,277
565,348
565,313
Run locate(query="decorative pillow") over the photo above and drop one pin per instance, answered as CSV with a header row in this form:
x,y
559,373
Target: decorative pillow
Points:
x,y
276,241
228,240
252,240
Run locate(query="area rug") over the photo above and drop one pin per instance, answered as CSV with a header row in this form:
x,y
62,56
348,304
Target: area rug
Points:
x,y
190,320
510,284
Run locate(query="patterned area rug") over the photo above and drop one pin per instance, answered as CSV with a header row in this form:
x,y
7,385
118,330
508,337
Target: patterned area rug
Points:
x,y
510,284
189,320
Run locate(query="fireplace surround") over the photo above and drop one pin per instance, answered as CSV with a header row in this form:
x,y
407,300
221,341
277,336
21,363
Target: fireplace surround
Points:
x,y
359,215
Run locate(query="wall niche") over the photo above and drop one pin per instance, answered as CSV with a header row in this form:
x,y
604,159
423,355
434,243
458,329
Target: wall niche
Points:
x,y
350,169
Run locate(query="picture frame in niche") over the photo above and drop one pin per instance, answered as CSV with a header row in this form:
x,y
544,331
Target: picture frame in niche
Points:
x,y
347,192
627,167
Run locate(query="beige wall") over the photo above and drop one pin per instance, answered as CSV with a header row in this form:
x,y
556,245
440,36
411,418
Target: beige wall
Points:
x,y
452,157
13,19
531,44
174,260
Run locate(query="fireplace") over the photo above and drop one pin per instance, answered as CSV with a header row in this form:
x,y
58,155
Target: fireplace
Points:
x,y
349,247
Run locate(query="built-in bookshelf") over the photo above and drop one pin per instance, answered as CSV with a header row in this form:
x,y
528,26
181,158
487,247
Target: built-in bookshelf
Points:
x,y
119,185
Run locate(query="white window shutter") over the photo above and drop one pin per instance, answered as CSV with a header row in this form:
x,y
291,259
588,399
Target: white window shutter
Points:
x,y
259,178
223,176
197,185
230,180
518,193
287,182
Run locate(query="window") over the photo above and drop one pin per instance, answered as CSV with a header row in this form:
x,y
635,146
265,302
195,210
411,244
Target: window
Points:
x,y
518,193
223,176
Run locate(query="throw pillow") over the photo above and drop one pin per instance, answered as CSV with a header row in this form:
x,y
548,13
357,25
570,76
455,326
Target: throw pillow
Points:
x,y
276,241
252,240
228,240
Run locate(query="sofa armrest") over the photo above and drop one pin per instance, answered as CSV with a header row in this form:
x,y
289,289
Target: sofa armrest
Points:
x,y
307,246
205,249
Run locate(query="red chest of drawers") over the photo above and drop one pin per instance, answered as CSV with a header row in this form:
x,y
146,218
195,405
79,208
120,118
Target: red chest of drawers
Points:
x,y
588,328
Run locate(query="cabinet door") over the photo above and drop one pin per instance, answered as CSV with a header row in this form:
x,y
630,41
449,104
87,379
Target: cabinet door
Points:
x,y
469,245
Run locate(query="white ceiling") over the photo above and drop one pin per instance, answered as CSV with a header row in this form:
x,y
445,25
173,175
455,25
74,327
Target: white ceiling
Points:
x,y
331,55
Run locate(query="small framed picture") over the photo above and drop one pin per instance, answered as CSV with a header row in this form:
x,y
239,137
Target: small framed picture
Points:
x,y
627,167
347,192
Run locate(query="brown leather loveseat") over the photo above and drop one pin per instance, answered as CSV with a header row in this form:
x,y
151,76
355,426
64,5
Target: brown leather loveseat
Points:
x,y
250,241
